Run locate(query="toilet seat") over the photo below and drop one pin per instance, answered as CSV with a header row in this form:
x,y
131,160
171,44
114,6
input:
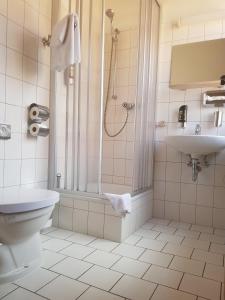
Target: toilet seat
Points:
x,y
16,200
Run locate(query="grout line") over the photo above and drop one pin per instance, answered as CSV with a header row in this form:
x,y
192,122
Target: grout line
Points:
x,y
17,287
178,288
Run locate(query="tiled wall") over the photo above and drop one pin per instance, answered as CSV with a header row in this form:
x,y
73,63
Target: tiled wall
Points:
x,y
96,217
118,152
24,78
176,197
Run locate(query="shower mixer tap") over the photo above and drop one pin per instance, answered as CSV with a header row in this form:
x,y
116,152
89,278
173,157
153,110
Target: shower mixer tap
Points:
x,y
128,106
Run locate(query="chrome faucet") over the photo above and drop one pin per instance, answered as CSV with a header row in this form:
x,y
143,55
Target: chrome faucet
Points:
x,y
198,129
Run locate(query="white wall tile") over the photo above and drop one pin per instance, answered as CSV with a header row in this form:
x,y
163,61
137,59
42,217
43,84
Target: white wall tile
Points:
x,y
205,195
3,22
204,215
187,213
16,11
172,210
173,192
2,88
15,36
13,91
12,172
2,59
188,193
95,224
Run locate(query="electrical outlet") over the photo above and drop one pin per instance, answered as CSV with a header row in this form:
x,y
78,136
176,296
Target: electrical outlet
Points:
x,y
5,131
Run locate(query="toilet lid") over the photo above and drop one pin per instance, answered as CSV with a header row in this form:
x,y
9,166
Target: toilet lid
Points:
x,y
15,200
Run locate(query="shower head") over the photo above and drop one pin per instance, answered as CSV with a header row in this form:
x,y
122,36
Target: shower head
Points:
x,y
110,14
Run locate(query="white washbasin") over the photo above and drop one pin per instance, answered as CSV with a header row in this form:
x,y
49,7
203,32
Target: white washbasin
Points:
x,y
196,145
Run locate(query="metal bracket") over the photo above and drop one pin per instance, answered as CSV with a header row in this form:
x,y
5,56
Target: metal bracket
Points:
x,y
5,131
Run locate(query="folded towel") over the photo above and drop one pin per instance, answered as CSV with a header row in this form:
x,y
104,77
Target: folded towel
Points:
x,y
121,203
65,43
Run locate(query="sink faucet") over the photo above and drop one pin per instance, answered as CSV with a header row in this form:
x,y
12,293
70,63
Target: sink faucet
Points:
x,y
198,129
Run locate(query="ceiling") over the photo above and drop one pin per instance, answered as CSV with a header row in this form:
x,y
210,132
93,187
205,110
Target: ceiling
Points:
x,y
173,9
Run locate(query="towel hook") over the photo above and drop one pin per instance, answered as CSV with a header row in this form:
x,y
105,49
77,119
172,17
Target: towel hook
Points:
x,y
46,41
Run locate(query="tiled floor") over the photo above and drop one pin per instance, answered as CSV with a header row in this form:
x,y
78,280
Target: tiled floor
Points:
x,y
162,261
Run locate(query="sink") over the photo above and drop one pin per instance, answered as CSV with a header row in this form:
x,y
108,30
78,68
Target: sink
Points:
x,y
196,145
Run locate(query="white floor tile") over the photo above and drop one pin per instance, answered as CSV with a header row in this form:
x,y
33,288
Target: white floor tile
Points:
x,y
102,258
104,245
220,232
187,265
148,226
132,239
165,293
21,294
6,289
100,277
82,239
212,238
60,234
158,221
156,258
214,272
55,244
131,267
50,258
213,258
203,245
128,251
48,229
163,276
96,294
44,238
133,288
77,251
180,225
200,286
36,280
216,248
150,234
71,267
63,288
170,238
202,228
151,244
164,229
188,233
178,250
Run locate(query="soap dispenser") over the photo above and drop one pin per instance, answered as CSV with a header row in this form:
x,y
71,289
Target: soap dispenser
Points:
x,y
182,116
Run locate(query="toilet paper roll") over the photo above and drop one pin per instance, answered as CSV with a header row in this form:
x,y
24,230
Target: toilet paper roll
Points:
x,y
36,129
38,112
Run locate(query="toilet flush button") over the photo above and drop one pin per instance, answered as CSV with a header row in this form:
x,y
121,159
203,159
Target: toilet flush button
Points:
x,y
5,131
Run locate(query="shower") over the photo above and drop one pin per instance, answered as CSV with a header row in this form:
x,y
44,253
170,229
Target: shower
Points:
x,y
112,77
92,150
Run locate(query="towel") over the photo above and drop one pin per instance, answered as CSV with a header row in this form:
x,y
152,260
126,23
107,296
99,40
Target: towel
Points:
x,y
65,43
121,203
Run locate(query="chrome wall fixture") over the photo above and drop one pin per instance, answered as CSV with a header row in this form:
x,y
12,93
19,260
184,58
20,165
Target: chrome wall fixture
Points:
x,y
46,41
5,131
37,114
217,99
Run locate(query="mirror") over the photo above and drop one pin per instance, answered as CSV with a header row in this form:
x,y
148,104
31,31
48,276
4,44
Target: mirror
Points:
x,y
197,64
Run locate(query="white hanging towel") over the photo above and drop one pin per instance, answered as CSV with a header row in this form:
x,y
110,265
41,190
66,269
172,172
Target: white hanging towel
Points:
x,y
65,43
121,203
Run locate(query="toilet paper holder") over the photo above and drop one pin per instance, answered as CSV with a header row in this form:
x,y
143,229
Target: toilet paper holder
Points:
x,y
37,114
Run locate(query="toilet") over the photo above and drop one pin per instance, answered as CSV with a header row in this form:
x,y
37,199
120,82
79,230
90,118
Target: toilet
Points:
x,y
23,212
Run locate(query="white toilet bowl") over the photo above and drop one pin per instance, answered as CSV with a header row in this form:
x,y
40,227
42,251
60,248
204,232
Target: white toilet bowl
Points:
x,y
23,212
